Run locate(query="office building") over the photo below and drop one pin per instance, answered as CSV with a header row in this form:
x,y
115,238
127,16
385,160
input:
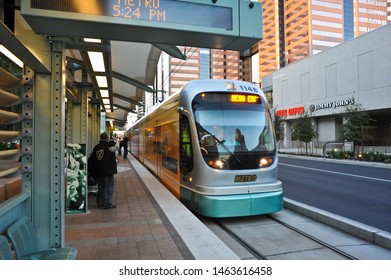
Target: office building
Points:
x,y
203,64
295,29
326,84
292,30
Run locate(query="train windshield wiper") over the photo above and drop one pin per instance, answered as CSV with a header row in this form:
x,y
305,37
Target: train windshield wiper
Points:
x,y
224,146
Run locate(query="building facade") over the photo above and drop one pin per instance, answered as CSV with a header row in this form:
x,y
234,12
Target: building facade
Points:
x,y
292,30
295,29
356,72
200,63
183,71
203,64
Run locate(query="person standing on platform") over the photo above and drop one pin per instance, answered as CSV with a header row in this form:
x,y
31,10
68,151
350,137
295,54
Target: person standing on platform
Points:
x,y
121,144
125,145
105,168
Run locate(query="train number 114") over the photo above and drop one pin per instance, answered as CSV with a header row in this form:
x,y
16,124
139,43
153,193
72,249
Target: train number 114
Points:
x,y
249,89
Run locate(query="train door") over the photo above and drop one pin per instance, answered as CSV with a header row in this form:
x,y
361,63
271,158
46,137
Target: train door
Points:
x,y
158,151
186,149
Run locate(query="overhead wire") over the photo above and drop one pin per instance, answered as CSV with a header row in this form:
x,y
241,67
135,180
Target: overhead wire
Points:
x,y
179,65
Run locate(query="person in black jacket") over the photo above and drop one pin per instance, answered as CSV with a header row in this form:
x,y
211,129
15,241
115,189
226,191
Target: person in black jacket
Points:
x,y
125,144
105,167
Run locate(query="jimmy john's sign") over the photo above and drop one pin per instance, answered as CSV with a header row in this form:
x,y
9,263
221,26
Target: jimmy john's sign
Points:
x,y
332,104
297,111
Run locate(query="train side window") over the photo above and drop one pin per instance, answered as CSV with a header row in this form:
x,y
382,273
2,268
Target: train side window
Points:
x,y
186,148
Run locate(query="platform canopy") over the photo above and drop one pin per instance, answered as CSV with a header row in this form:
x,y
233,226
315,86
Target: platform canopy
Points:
x,y
132,34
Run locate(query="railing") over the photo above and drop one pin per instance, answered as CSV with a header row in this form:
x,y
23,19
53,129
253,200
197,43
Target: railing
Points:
x,y
321,148
299,147
375,149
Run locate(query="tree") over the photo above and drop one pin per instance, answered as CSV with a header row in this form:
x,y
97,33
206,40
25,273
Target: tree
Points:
x,y
304,130
356,125
278,128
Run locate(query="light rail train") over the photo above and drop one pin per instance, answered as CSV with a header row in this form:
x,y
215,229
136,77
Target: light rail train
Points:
x,y
213,146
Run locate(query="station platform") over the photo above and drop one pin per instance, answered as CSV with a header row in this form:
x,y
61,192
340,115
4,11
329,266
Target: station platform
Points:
x,y
149,223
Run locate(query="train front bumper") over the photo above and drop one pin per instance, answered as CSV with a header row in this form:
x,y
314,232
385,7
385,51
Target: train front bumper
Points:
x,y
219,206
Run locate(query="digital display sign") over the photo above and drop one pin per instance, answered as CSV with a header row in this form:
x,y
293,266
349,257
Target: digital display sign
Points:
x,y
223,24
164,11
223,97
244,98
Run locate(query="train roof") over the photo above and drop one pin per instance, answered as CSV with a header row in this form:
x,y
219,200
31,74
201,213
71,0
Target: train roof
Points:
x,y
216,84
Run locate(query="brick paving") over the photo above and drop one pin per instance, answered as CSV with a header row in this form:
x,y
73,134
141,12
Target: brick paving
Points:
x,y
136,229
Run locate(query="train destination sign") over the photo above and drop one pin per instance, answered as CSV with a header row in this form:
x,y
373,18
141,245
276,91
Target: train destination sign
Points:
x,y
170,11
228,24
244,98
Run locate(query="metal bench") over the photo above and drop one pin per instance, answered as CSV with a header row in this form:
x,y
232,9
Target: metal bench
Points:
x,y
5,249
25,243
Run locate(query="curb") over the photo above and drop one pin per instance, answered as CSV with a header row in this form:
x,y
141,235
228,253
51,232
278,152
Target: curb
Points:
x,y
371,234
342,161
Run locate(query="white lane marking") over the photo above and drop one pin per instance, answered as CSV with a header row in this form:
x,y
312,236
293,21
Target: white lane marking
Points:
x,y
339,173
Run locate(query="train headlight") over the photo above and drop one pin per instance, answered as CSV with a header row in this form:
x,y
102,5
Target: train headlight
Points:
x,y
218,163
266,162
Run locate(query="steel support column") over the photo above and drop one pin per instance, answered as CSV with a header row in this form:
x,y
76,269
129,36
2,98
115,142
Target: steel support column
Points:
x,y
26,142
49,146
94,121
77,120
68,121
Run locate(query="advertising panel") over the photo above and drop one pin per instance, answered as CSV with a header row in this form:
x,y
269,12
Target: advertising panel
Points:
x,y
76,187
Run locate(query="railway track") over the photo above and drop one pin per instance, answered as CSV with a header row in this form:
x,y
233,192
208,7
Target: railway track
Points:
x,y
319,241
274,237
318,247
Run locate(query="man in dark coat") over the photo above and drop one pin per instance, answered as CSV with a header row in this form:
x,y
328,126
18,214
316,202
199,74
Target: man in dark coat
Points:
x,y
104,169
125,144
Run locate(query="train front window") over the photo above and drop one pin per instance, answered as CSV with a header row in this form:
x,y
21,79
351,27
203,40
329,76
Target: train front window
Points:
x,y
234,135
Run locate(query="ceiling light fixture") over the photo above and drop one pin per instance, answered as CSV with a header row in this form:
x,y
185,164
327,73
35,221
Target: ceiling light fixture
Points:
x,y
92,40
102,81
97,61
11,56
104,93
